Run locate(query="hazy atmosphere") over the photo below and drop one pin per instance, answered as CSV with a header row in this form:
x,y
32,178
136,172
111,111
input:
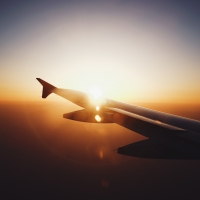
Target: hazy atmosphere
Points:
x,y
141,52
136,51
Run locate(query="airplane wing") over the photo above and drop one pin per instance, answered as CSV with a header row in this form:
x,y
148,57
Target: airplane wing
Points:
x,y
169,136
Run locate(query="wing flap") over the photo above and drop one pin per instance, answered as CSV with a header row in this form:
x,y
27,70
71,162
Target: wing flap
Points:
x,y
115,111
150,128
143,126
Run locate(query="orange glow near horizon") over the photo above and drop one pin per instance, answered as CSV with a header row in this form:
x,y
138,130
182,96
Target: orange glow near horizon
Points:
x,y
131,59
138,52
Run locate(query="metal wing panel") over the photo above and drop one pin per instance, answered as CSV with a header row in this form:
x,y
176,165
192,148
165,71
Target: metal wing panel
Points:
x,y
150,128
79,98
165,142
173,120
140,125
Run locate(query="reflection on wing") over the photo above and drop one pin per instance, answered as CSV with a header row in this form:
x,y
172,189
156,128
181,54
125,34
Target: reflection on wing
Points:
x,y
86,116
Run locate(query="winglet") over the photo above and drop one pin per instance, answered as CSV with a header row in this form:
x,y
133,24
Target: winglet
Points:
x,y
47,88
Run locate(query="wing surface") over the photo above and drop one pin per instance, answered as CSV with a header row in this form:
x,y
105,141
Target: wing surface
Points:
x,y
170,136
165,141
173,120
155,150
79,98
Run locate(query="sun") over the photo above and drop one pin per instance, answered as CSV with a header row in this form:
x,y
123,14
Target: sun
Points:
x,y
96,97
95,92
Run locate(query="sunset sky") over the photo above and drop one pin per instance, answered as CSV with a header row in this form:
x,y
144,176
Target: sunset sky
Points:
x,y
145,52
135,51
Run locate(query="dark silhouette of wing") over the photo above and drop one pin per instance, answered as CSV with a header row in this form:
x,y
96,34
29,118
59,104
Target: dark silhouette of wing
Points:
x,y
170,136
156,150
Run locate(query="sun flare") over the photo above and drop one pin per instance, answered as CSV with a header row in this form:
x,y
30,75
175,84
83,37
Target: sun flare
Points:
x,y
96,97
98,118
97,108
95,92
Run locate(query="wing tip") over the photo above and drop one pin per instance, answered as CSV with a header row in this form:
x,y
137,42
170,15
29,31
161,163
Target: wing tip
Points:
x,y
47,88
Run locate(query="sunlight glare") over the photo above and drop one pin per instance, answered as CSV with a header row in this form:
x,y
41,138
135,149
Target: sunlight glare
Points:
x,y
96,97
98,118
95,92
97,108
